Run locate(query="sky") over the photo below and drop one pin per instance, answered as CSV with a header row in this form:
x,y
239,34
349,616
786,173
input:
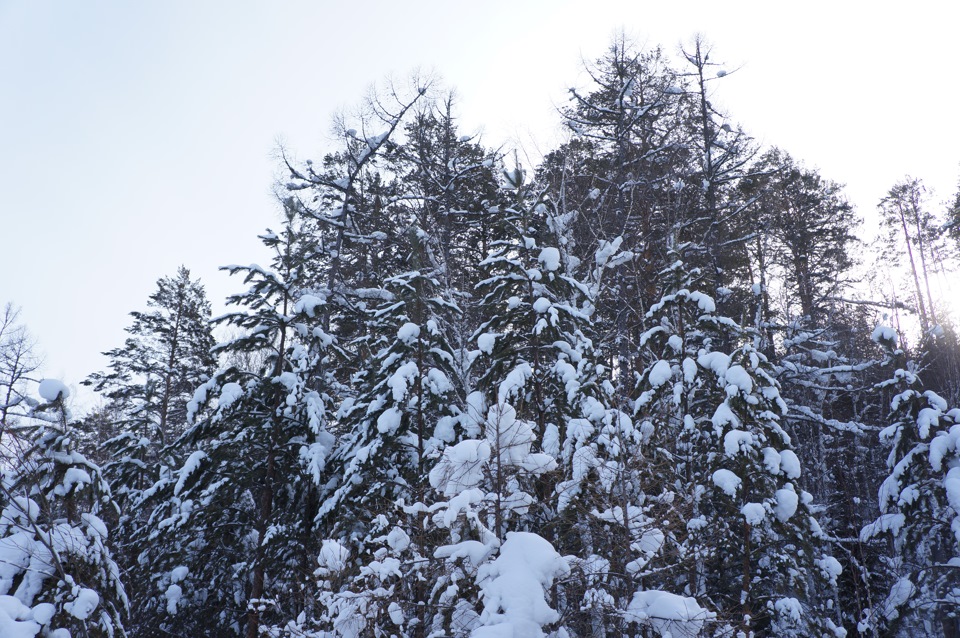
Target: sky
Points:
x,y
139,136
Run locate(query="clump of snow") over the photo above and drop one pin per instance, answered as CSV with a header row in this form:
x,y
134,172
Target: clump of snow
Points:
x,y
660,373
830,567
790,464
736,441
787,502
754,513
606,250
16,620
550,258
486,342
704,302
739,377
723,415
229,393
461,467
84,603
332,559
398,540
395,613
408,333
52,389
668,614
884,334
727,481
951,483
771,460
173,594
789,609
308,304
900,593
514,588
541,305
718,362
389,420
403,379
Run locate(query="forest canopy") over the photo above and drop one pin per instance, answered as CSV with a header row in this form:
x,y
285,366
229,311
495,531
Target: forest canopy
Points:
x,y
658,384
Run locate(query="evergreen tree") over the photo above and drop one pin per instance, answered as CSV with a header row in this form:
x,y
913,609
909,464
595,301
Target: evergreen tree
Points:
x,y
151,379
919,507
55,547
232,530
748,545
405,413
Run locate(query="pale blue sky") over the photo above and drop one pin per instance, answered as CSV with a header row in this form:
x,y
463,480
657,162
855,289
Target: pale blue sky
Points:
x,y
138,136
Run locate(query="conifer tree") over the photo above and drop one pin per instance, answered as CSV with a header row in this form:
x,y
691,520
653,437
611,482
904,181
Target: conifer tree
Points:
x,y
151,379
748,546
56,555
919,506
232,528
404,414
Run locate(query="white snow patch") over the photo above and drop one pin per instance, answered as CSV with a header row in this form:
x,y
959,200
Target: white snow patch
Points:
x,y
754,513
229,393
738,376
389,421
790,464
52,389
515,585
668,614
771,460
541,305
550,258
789,609
83,604
408,333
787,502
487,341
660,373
727,481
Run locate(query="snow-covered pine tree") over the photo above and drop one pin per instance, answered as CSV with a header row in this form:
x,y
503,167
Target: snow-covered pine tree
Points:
x,y
151,379
626,171
531,343
232,530
919,507
747,544
55,546
405,412
484,487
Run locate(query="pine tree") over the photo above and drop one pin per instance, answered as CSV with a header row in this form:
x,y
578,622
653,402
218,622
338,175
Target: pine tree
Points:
x,y
747,544
55,544
627,172
232,529
919,506
405,413
151,379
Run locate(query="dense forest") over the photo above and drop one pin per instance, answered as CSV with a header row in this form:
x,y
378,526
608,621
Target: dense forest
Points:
x,y
658,385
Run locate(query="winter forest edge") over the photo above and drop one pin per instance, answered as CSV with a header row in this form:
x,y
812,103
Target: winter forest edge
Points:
x,y
656,385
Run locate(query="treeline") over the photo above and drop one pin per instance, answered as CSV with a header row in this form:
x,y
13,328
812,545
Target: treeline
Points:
x,y
656,385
